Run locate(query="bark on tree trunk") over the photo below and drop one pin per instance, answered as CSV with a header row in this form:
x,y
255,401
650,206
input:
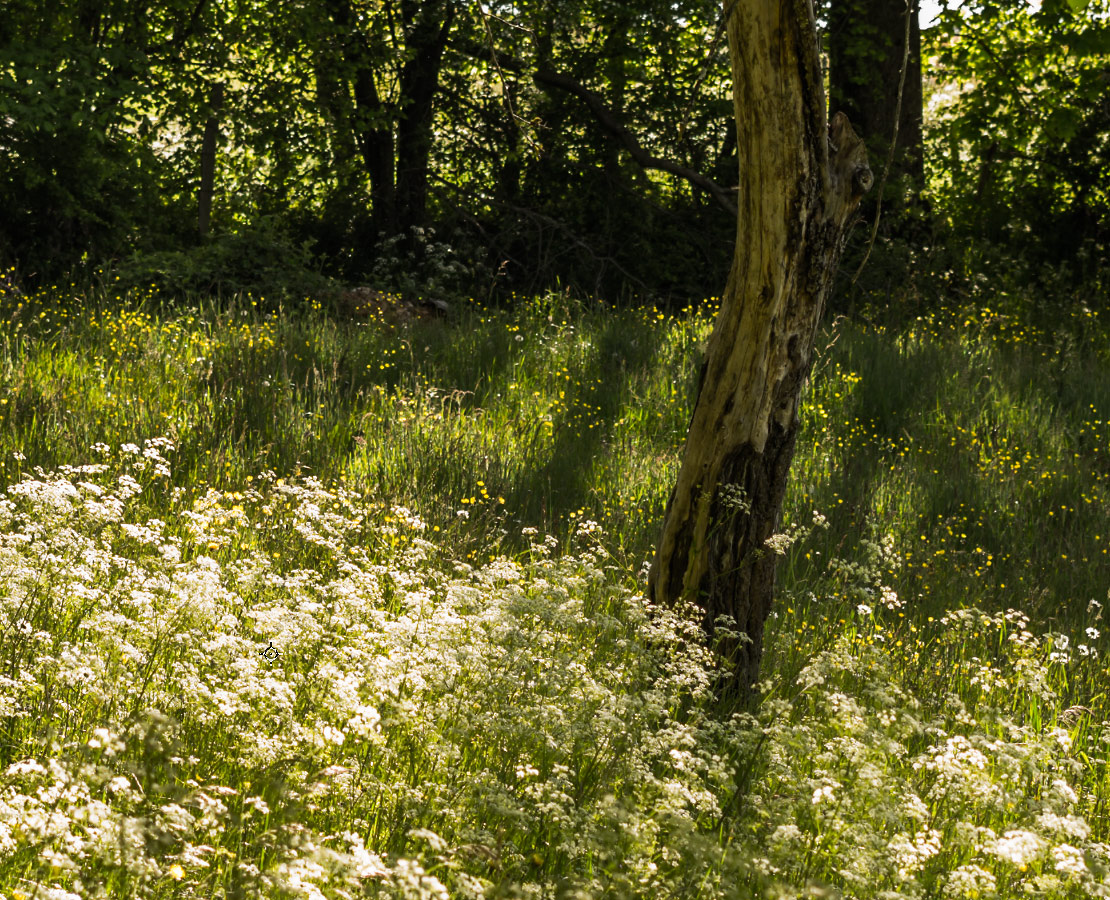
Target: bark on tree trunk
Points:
x,y
208,162
427,38
800,184
866,49
372,123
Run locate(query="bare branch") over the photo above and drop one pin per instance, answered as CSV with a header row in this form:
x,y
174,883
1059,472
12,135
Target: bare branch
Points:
x,y
610,123
607,119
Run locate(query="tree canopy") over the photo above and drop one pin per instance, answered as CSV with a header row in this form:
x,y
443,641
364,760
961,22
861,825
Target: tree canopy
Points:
x,y
489,147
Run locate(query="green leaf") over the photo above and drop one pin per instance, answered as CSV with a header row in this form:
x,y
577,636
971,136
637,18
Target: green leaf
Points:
x,y
1091,41
1063,123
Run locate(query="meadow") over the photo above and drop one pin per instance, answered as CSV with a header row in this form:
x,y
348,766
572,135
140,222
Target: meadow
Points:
x,y
295,604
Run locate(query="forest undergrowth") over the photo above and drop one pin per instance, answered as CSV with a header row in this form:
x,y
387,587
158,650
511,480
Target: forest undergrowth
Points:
x,y
298,606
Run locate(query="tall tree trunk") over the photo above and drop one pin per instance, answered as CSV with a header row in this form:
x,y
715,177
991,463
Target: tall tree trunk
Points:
x,y
208,161
866,50
800,184
372,123
428,25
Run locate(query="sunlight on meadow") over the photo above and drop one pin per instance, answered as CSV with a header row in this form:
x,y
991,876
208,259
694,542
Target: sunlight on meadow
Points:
x,y
298,607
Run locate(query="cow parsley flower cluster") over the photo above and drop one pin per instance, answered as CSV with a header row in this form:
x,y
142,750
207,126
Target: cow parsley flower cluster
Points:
x,y
284,690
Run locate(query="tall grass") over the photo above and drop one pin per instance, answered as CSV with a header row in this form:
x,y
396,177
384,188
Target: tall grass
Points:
x,y
553,407
294,605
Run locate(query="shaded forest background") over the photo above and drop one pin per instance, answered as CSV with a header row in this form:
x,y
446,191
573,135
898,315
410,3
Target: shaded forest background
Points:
x,y
477,149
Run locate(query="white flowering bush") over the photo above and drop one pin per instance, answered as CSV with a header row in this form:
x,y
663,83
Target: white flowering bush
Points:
x,y
280,690
288,691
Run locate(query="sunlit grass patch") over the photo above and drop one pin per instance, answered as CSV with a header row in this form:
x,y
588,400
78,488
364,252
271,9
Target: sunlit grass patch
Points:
x,y
456,701
555,406
985,462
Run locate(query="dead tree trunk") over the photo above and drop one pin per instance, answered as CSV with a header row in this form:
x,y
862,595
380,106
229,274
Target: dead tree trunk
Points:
x,y
800,183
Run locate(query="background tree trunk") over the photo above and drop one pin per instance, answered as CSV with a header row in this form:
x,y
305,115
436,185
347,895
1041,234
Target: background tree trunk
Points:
x,y
372,122
800,183
208,161
428,26
866,49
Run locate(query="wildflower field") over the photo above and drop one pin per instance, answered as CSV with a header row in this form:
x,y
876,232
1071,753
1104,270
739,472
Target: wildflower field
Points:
x,y
298,606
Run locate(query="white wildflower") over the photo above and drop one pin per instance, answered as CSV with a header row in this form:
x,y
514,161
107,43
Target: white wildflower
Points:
x,y
176,819
587,528
787,836
1061,792
128,487
823,794
435,843
970,881
779,543
365,721
332,735
258,805
103,739
911,854
301,878
1069,860
412,881
57,860
1018,847
363,863
25,767
1063,740
1070,825
470,887
121,787
51,892
409,518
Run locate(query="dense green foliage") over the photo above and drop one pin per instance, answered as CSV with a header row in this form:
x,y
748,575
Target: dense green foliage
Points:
x,y
304,594
350,127
462,705
1020,137
441,146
